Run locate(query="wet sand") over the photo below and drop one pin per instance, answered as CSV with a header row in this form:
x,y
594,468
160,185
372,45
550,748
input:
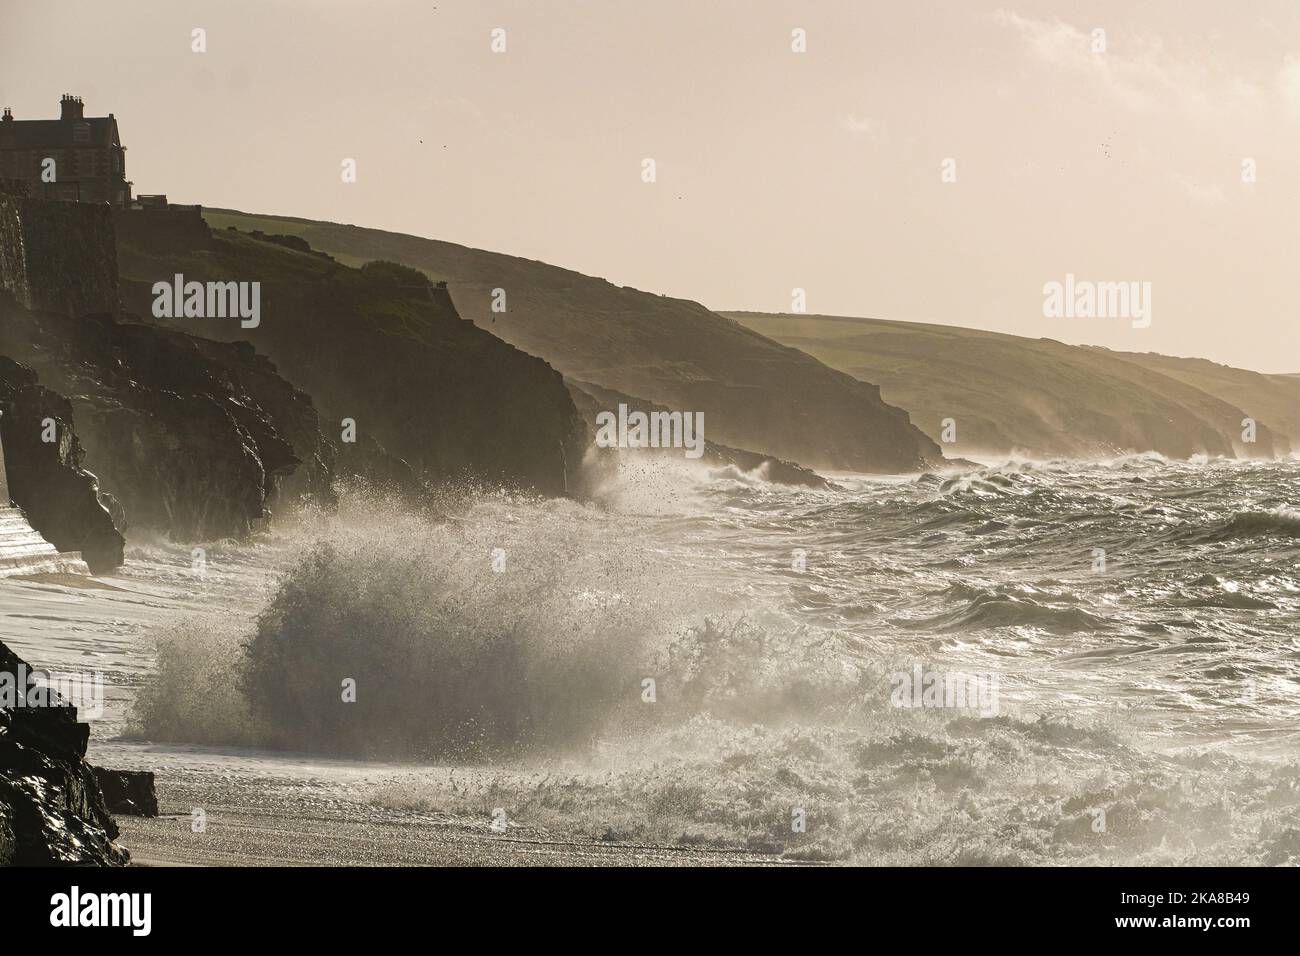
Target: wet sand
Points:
x,y
289,830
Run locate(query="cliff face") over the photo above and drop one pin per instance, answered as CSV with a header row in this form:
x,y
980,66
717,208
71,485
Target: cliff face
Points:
x,y
169,423
290,417
199,437
1011,395
754,392
1271,399
188,436
383,349
45,478
57,256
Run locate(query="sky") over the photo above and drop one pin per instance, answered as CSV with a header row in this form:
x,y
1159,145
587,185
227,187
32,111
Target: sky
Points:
x,y
923,160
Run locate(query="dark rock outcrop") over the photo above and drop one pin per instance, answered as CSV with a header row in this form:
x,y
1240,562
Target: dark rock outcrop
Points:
x,y
45,478
169,422
288,410
128,793
592,399
52,812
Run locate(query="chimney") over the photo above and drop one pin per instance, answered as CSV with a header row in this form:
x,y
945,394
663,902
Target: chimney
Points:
x,y
8,117
71,107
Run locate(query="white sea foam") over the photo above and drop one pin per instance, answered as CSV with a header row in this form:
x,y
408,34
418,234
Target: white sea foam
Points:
x,y
1132,691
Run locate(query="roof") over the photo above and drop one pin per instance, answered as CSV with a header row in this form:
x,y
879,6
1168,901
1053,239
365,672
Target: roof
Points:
x,y
43,134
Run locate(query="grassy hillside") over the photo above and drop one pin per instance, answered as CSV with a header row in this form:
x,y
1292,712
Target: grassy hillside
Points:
x,y
1040,397
1274,399
755,393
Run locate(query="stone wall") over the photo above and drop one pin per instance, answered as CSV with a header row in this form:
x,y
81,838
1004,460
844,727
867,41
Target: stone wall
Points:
x,y
58,256
163,229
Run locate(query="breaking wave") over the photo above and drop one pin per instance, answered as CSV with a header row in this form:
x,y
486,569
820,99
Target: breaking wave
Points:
x,y
697,661
1000,610
1274,521
491,630
512,626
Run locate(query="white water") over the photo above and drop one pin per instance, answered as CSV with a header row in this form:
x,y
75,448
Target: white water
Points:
x,y
1161,690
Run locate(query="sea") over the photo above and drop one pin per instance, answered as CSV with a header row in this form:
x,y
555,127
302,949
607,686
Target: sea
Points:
x,y
1020,663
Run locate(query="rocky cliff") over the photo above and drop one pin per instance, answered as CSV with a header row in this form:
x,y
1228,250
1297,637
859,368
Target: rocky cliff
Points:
x,y
754,392
188,436
43,470
172,425
402,383
198,432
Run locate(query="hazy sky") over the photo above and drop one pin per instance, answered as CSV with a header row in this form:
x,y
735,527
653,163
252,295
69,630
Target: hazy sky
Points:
x,y
775,170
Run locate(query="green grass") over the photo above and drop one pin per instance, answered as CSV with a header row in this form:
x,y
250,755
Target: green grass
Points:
x,y
313,232
246,223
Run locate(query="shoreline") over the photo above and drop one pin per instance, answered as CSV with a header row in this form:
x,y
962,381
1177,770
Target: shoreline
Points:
x,y
265,808
702,789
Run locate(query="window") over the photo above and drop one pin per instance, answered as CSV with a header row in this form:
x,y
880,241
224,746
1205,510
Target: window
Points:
x,y
81,133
